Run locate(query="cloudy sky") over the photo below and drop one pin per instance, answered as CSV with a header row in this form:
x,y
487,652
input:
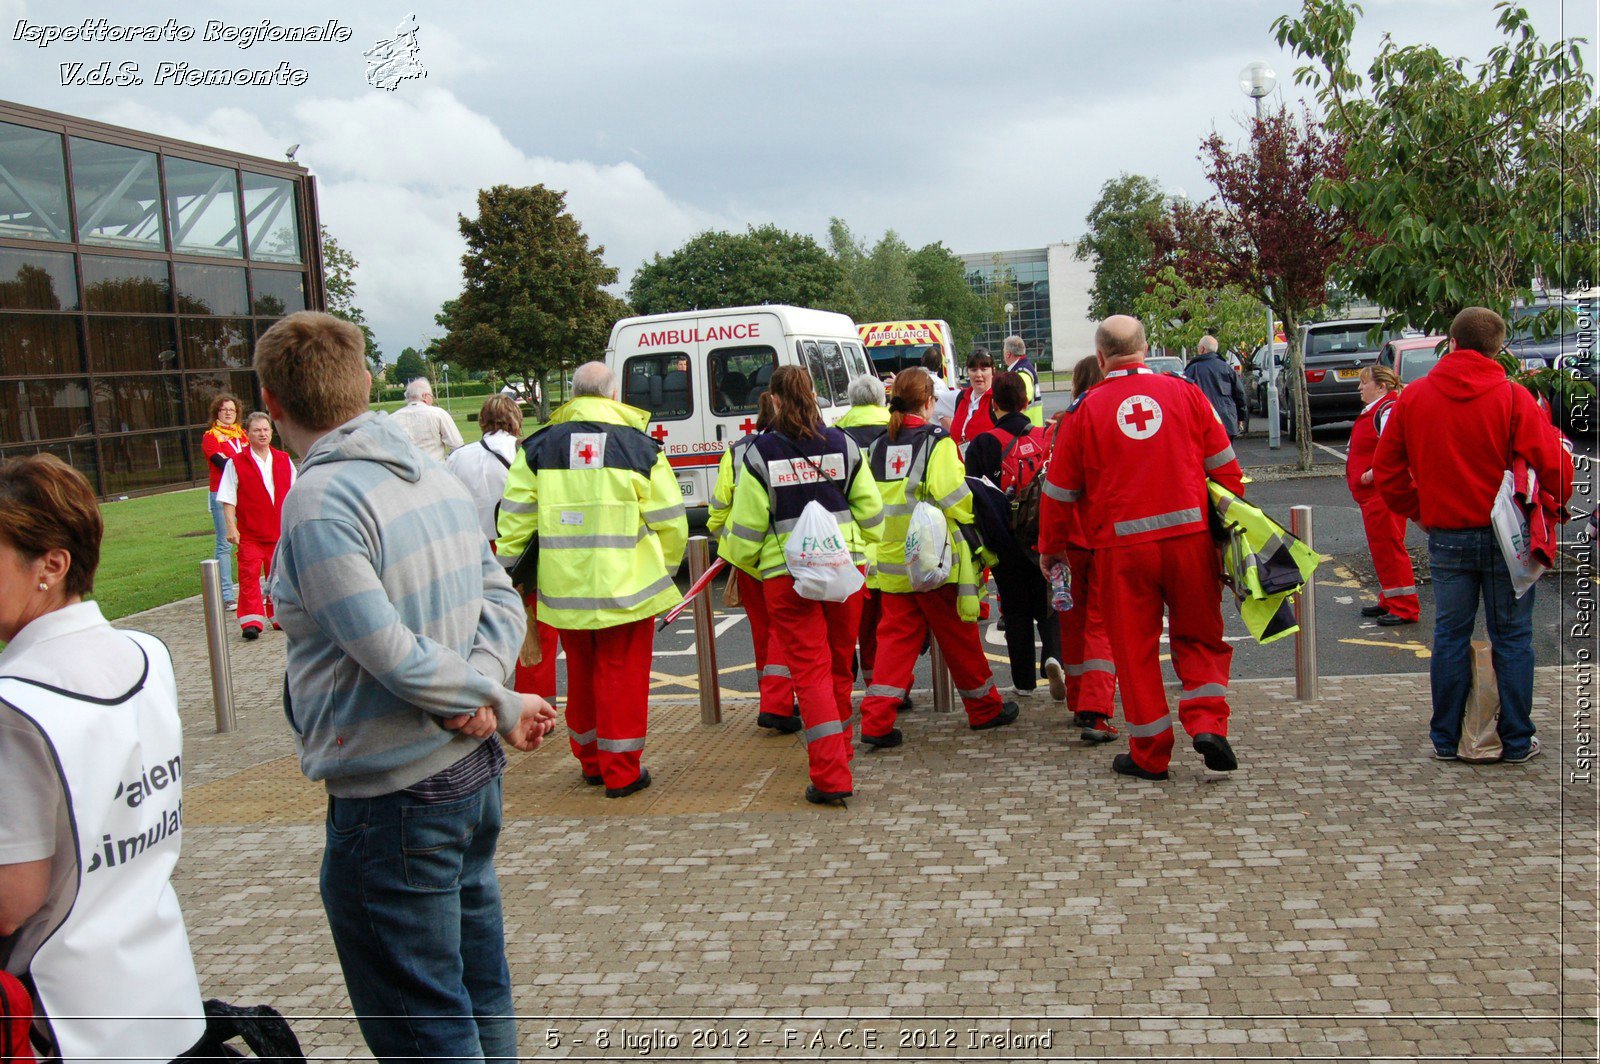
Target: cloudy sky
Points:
x,y
987,125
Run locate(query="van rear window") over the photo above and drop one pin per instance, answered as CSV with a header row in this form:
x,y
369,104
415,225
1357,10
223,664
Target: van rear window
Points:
x,y
659,384
738,377
825,361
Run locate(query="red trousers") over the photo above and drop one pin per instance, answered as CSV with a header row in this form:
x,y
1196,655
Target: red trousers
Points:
x,y
255,563
1086,641
908,618
871,613
1180,573
540,679
776,683
1386,537
16,1021
818,643
608,697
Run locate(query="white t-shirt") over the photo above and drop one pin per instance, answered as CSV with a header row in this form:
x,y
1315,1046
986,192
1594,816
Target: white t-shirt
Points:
x,y
431,429
484,475
228,486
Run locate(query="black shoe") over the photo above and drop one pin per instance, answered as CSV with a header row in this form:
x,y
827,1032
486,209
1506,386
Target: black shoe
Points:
x,y
252,633
1000,624
816,797
1373,611
1389,620
1123,764
906,705
637,785
782,725
1215,749
884,742
593,781
1007,715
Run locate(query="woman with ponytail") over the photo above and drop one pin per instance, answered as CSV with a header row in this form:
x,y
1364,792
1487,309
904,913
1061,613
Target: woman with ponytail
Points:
x,y
917,461
1386,530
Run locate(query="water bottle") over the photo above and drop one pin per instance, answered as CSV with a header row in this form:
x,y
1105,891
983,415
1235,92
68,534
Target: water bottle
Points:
x,y
1060,587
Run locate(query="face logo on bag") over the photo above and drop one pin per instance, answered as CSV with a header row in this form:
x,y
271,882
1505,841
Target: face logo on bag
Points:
x,y
586,450
897,461
1139,417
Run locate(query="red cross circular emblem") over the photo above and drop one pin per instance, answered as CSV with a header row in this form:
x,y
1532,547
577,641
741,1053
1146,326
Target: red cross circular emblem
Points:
x,y
1139,417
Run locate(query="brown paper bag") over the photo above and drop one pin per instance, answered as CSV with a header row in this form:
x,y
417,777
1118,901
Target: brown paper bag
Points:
x,y
1480,738
531,653
730,593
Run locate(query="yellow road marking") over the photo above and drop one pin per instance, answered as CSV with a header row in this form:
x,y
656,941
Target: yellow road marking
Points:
x,y
1419,649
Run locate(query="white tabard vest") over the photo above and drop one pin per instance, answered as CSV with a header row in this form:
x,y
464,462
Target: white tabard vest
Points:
x,y
115,980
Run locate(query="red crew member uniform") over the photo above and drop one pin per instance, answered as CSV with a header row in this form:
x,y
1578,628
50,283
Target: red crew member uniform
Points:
x,y
1133,460
1386,529
1086,656
255,488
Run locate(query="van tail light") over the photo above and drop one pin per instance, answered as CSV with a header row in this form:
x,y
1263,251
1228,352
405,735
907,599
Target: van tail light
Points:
x,y
1314,376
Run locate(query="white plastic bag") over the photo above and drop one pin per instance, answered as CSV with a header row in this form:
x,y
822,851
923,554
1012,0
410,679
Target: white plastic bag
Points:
x,y
1511,531
818,558
928,552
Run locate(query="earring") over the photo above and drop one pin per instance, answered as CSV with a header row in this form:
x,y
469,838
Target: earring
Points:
x,y
43,586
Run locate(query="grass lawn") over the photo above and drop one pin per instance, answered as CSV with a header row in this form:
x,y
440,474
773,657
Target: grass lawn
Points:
x,y
152,551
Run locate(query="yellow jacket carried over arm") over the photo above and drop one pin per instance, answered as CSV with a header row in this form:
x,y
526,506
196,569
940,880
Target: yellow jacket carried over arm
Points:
x,y
608,513
1263,563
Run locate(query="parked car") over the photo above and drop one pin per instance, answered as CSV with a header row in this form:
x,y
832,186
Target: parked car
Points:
x,y
1411,357
1165,364
1255,376
1335,352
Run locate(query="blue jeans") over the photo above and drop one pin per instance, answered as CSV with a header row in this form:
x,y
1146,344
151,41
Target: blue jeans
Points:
x,y
414,906
223,551
1467,565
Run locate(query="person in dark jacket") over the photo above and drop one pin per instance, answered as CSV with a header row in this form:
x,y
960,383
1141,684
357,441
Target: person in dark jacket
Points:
x,y
1024,595
1220,383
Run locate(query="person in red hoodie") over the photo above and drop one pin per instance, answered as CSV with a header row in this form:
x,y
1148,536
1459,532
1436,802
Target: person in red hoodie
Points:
x,y
251,492
1448,444
1385,529
1133,460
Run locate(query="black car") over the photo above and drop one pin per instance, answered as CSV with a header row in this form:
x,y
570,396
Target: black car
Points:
x,y
1335,354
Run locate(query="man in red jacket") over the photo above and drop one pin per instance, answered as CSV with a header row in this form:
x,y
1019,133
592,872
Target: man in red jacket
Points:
x,y
1451,438
1134,459
251,492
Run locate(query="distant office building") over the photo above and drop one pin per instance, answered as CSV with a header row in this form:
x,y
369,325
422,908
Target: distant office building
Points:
x,y
135,274
1050,301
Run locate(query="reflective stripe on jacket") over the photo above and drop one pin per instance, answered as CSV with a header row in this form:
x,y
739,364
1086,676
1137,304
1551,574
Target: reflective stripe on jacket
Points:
x,y
924,465
780,477
608,513
722,493
1263,563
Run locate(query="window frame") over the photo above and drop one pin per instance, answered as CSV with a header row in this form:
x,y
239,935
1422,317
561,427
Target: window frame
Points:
x,y
661,355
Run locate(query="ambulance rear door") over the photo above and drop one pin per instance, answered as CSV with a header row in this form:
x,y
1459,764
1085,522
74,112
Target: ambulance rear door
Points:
x,y
659,365
739,351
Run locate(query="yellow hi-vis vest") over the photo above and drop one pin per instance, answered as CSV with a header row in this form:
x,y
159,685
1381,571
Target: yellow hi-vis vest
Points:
x,y
608,513
1262,563
728,471
924,465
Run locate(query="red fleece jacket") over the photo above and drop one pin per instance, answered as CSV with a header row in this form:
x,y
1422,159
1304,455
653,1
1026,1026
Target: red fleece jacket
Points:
x,y
1451,438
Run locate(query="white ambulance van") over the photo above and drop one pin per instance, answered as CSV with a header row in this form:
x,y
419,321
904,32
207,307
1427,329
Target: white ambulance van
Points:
x,y
700,374
894,345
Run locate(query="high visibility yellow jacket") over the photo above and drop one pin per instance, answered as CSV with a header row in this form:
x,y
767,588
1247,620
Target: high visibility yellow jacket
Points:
x,y
608,512
865,424
722,493
780,477
1030,387
924,465
1263,563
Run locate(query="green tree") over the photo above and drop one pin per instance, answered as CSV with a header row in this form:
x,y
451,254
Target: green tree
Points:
x,y
1177,313
1119,242
881,283
943,292
533,298
1480,178
409,366
719,269
339,287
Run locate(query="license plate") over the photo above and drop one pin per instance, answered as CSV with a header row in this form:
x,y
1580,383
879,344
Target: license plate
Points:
x,y
1349,374
687,487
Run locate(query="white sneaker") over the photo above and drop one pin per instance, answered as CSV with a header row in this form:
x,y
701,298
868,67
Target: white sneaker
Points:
x,y
1057,677
1533,752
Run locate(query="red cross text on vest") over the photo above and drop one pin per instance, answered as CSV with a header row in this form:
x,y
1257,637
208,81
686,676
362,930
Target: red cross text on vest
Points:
x,y
658,433
899,463
587,453
1140,416
747,426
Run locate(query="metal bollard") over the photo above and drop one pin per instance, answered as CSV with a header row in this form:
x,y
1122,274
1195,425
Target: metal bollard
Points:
x,y
1305,604
941,679
217,643
705,635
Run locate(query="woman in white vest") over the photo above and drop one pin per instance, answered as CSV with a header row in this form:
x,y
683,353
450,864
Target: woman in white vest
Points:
x,y
91,752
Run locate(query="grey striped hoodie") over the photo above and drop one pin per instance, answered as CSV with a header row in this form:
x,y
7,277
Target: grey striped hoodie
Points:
x,y
396,611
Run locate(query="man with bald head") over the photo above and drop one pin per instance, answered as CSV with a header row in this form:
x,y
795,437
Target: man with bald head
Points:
x,y
1133,461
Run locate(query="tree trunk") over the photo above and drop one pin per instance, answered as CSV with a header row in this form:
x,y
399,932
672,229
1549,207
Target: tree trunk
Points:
x,y
1297,378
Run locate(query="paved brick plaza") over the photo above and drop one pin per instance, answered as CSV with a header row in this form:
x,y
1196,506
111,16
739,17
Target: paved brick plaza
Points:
x,y
1339,895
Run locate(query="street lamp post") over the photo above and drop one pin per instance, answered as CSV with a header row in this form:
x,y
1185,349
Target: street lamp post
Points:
x,y
1009,309
1258,80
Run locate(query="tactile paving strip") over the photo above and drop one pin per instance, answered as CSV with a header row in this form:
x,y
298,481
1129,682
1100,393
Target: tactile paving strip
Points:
x,y
732,767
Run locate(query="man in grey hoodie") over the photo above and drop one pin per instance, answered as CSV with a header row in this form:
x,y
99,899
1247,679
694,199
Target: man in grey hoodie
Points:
x,y
403,634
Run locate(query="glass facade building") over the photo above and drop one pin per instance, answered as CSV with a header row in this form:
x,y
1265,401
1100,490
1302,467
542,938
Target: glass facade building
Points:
x,y
135,274
1023,278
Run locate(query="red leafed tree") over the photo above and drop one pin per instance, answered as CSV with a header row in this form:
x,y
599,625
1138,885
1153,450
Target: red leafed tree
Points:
x,y
1264,232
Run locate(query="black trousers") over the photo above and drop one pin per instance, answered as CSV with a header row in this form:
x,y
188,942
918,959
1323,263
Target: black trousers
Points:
x,y
1025,605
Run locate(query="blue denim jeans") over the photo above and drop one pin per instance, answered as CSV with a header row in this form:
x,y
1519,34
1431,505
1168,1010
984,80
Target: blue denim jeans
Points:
x,y
223,550
1468,566
414,906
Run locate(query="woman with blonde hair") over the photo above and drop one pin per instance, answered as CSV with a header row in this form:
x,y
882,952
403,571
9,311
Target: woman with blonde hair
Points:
x,y
223,441
1386,530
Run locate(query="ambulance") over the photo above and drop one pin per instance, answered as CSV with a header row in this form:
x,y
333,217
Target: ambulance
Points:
x,y
894,345
700,374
